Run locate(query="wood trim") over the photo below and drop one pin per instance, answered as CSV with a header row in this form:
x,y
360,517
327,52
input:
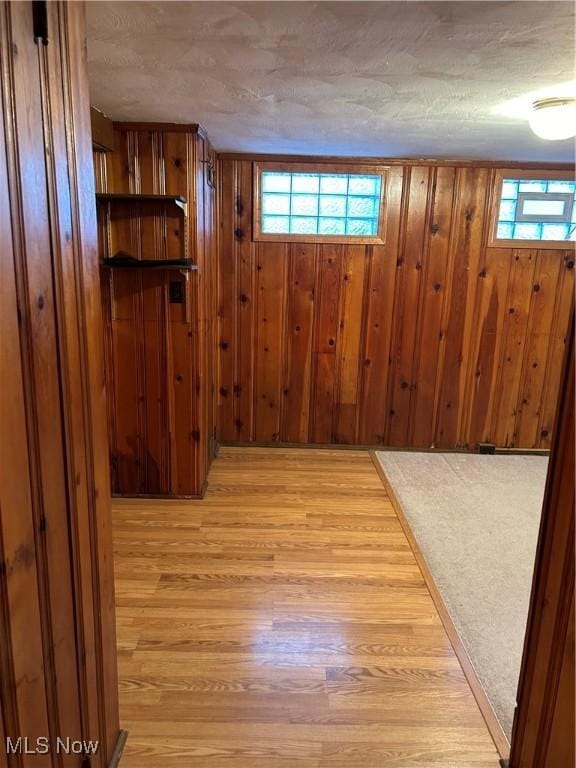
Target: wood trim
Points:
x,y
25,672
161,496
260,167
102,131
548,245
118,749
364,447
57,596
158,127
389,161
524,172
499,175
492,723
64,253
550,630
92,362
522,451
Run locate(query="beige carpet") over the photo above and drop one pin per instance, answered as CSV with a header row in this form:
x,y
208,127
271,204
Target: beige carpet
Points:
x,y
476,521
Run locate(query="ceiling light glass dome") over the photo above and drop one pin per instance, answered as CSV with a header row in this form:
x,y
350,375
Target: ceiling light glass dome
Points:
x,y
554,119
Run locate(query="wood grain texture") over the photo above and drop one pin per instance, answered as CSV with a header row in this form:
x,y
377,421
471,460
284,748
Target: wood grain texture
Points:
x,y
543,733
431,340
160,356
392,161
283,620
57,628
102,130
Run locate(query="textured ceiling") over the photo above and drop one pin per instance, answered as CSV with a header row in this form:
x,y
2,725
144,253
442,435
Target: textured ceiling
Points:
x,y
425,79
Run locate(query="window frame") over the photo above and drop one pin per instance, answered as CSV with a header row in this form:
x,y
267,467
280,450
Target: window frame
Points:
x,y
537,175
339,168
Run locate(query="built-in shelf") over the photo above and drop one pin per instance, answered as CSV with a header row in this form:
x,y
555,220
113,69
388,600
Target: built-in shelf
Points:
x,y
110,197
125,217
125,261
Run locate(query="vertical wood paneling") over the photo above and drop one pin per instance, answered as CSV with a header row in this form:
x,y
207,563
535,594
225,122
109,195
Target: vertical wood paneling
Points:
x,y
543,729
155,471
182,384
31,182
204,219
491,311
545,286
519,297
71,528
382,274
247,302
350,330
22,684
408,282
127,394
183,390
99,656
299,326
328,279
57,636
269,345
410,343
465,248
161,358
432,297
563,320
227,307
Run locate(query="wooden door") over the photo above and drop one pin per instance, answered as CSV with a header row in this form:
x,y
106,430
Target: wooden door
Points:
x,y
57,636
543,733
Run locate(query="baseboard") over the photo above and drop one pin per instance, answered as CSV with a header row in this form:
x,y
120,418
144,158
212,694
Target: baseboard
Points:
x,y
203,489
337,446
163,496
522,452
118,749
495,729
364,447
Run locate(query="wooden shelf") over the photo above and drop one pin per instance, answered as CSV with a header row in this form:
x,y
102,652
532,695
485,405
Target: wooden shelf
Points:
x,y
110,197
166,213
125,261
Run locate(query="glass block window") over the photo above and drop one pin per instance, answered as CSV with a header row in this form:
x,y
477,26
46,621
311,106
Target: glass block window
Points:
x,y
320,205
537,209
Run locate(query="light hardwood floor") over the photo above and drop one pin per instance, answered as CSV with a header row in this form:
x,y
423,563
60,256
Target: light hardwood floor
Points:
x,y
284,622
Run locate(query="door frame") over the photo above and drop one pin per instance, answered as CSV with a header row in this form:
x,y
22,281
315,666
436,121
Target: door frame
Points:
x,y
544,714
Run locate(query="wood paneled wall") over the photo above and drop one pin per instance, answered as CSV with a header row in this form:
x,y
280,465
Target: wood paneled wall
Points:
x,y
430,340
160,357
57,624
544,728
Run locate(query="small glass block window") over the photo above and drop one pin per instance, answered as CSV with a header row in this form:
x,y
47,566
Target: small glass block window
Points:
x,y
537,209
321,204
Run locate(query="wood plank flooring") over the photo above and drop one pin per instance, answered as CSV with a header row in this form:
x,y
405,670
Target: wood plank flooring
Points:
x,y
284,622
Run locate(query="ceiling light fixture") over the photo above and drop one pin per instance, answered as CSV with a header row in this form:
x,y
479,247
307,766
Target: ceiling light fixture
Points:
x,y
554,118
